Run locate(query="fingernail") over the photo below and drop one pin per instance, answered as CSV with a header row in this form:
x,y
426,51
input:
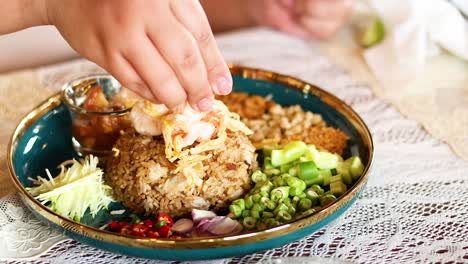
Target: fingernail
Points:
x,y
223,85
205,105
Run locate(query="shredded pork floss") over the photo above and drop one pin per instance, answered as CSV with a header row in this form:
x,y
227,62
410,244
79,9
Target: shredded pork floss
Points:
x,y
187,134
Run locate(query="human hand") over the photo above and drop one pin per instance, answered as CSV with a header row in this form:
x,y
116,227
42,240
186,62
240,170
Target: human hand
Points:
x,y
163,50
319,19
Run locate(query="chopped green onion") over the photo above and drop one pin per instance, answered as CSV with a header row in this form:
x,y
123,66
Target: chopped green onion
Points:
x,y
280,207
291,209
302,195
264,200
327,199
294,191
285,177
285,168
277,181
268,203
283,216
258,176
316,188
293,171
295,199
261,225
271,222
248,202
255,214
236,210
272,172
266,214
306,213
286,201
240,203
160,224
305,204
279,193
294,182
312,196
258,207
267,164
245,213
267,187
256,198
267,150
134,219
249,222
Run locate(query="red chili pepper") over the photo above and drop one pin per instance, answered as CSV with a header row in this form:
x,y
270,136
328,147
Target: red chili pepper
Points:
x,y
153,234
164,231
114,226
165,217
123,224
148,223
126,230
139,230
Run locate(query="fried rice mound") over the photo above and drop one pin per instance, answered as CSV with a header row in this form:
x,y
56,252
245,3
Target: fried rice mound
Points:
x,y
146,181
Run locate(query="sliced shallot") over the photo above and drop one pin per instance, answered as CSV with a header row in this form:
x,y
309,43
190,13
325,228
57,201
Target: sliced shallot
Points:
x,y
198,215
223,226
182,226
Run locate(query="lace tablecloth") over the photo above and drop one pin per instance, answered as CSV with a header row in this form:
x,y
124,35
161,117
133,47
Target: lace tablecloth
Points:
x,y
414,209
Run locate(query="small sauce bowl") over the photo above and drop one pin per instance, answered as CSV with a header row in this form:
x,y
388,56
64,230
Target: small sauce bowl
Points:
x,y
95,128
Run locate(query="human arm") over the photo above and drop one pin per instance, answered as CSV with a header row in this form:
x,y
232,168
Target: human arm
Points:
x,y
21,14
318,19
164,50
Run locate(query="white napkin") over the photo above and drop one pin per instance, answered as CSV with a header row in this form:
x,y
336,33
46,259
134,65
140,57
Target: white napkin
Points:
x,y
415,31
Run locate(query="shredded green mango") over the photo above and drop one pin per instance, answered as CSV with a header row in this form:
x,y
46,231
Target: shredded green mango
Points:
x,y
75,189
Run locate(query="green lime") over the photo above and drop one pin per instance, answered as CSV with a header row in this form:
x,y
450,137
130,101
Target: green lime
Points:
x,y
373,33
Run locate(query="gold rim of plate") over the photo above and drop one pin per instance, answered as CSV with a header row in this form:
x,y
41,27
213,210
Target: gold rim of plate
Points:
x,y
210,242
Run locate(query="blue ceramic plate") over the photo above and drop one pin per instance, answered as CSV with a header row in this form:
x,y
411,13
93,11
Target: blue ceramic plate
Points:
x,y
43,140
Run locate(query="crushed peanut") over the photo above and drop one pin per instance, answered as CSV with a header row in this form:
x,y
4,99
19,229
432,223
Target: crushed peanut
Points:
x,y
274,124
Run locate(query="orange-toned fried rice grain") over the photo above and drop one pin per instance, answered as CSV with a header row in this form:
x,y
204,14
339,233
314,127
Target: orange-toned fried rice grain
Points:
x,y
141,176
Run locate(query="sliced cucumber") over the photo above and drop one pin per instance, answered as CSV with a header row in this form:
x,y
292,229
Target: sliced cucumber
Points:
x,y
267,150
327,160
312,153
343,169
338,188
326,175
356,167
336,178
